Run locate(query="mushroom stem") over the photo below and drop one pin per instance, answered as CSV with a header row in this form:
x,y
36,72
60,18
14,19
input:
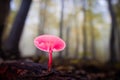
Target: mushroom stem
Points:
x,y
50,60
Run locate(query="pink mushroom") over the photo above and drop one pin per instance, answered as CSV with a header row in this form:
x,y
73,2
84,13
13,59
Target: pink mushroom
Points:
x,y
49,43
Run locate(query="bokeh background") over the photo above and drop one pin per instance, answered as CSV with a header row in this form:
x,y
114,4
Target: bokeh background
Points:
x,y
90,28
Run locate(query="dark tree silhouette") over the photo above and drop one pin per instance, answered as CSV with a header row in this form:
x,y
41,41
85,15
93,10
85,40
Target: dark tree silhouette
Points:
x,y
4,11
112,35
12,44
117,13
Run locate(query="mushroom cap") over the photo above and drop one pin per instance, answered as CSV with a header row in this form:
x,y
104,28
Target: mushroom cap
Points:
x,y
49,42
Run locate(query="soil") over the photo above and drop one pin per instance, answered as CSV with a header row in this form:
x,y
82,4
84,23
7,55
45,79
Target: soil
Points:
x,y
26,70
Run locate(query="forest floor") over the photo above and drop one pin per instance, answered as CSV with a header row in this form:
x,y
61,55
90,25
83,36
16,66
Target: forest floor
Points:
x,y
63,69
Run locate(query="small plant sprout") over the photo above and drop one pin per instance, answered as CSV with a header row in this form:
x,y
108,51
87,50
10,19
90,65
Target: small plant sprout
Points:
x,y
50,44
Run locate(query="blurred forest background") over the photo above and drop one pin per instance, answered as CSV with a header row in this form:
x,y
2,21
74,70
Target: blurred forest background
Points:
x,y
90,28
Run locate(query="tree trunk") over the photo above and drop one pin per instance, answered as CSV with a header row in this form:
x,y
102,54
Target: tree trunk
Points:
x,y
77,32
43,17
67,41
84,33
118,39
92,41
61,23
118,29
117,7
92,31
12,43
4,11
117,43
77,43
112,35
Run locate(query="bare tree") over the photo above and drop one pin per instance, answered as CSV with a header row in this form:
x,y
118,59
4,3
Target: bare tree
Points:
x,y
12,43
84,32
116,8
92,30
112,35
61,23
67,41
43,13
4,11
77,31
